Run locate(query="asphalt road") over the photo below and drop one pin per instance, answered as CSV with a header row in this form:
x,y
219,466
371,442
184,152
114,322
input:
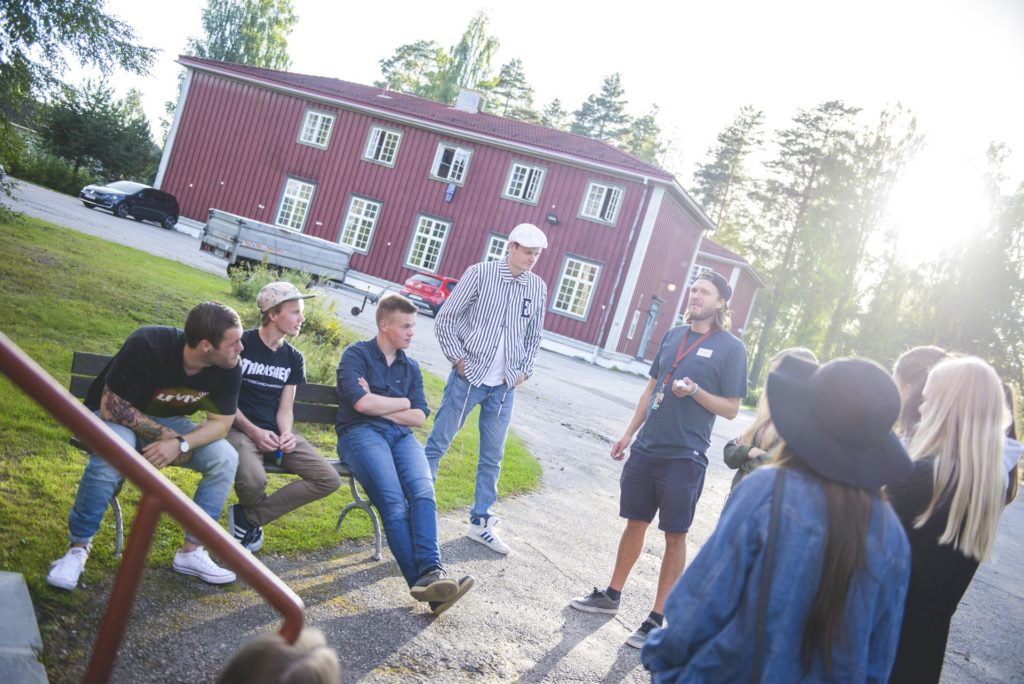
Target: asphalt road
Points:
x,y
516,624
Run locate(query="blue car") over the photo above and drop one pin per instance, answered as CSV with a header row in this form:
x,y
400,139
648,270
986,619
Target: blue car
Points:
x,y
127,198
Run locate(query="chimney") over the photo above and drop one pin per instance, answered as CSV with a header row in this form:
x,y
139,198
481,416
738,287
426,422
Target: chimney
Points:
x,y
469,100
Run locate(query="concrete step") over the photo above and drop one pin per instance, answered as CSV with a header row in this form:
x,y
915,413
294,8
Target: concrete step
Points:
x,y
20,642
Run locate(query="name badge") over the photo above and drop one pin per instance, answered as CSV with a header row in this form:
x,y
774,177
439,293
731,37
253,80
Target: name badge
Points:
x,y
703,351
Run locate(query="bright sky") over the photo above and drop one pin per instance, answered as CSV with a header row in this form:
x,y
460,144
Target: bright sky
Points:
x,y
958,64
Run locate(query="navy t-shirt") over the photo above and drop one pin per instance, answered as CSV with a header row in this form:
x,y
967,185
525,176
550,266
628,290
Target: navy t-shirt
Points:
x,y
149,373
681,428
265,372
366,360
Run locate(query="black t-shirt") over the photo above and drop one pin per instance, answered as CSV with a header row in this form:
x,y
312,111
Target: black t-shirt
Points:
x,y
149,373
681,428
265,372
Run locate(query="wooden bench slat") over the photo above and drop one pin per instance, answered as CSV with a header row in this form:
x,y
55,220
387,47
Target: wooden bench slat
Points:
x,y
316,394
80,385
87,363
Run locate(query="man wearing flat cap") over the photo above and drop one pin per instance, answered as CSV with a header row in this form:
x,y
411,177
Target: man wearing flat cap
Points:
x,y
272,370
490,330
700,372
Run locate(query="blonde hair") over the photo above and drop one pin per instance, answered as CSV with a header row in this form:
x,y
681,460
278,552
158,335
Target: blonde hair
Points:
x,y
763,418
963,419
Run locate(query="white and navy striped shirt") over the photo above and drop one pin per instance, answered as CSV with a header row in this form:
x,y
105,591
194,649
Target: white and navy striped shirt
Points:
x,y
488,305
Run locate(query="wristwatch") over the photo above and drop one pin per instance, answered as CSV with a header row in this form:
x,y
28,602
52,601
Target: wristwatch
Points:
x,y
183,444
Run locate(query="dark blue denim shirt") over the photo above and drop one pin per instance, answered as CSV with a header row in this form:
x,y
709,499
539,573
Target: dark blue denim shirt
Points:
x,y
401,379
711,612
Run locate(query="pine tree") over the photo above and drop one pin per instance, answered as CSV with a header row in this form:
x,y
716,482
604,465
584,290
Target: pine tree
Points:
x,y
603,116
415,68
555,116
644,140
512,95
722,181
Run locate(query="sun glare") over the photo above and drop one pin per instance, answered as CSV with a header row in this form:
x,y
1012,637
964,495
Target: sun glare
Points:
x,y
935,205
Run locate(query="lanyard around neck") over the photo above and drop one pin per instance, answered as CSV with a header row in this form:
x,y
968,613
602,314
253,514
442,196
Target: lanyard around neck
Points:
x,y
680,354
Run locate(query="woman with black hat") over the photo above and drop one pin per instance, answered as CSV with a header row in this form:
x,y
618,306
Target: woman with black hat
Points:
x,y
950,504
785,590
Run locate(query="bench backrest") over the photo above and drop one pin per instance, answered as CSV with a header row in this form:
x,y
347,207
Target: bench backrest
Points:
x,y
313,403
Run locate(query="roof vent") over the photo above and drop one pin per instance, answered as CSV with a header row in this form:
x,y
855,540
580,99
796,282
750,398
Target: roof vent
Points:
x,y
469,100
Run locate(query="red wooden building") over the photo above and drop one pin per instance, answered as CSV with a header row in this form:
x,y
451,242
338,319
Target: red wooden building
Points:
x,y
412,185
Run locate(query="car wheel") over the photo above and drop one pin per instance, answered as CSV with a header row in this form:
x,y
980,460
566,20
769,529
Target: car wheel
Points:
x,y
121,210
169,222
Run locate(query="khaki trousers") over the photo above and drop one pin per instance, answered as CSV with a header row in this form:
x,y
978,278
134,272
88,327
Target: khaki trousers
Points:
x,y
318,479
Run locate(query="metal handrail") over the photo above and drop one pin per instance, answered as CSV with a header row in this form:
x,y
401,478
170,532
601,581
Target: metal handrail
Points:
x,y
158,494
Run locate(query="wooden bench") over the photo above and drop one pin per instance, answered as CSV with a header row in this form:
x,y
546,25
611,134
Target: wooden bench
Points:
x,y
317,404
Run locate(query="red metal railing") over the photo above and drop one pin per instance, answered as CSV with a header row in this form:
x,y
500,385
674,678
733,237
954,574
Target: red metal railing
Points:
x,y
158,494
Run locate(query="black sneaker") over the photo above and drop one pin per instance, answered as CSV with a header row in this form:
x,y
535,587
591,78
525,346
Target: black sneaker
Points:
x,y
436,585
465,584
248,535
637,638
596,602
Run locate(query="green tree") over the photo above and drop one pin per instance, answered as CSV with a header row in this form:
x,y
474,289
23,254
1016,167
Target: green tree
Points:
x,y
644,138
253,32
812,156
721,183
37,37
555,116
90,129
603,115
469,63
415,68
512,95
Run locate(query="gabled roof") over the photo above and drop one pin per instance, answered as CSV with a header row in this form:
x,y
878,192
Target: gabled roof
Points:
x,y
430,112
717,251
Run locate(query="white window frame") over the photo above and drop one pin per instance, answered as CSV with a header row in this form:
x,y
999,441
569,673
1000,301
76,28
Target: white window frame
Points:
x,y
575,283
536,182
458,167
425,232
292,202
316,129
496,248
373,145
358,226
602,202
694,272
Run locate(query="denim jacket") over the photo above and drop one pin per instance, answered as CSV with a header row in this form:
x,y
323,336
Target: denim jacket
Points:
x,y
711,612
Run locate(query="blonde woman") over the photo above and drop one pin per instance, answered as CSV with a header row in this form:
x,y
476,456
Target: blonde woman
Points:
x,y
950,504
750,450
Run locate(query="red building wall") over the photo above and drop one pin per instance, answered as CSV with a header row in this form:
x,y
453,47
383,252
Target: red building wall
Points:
x,y
236,145
665,267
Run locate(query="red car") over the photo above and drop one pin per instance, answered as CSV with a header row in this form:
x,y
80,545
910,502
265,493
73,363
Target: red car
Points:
x,y
427,291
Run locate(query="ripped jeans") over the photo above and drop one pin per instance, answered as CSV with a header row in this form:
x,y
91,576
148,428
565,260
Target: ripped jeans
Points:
x,y
496,405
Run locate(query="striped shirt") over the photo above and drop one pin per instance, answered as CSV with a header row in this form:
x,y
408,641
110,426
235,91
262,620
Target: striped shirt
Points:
x,y
488,305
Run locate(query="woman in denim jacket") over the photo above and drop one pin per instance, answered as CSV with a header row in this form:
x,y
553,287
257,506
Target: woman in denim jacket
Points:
x,y
804,601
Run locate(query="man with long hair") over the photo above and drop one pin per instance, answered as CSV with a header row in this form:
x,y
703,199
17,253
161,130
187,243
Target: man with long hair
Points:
x,y
700,372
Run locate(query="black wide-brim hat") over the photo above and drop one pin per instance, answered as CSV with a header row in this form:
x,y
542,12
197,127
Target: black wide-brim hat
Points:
x,y
838,419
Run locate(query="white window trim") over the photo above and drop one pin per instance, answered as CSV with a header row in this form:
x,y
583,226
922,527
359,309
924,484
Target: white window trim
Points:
x,y
367,155
694,272
412,243
305,122
598,219
561,279
373,228
540,183
490,240
468,154
280,204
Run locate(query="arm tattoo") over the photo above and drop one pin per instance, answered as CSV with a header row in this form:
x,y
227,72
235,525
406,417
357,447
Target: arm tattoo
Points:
x,y
122,411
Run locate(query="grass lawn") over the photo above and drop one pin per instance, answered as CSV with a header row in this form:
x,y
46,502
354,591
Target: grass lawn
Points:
x,y
63,291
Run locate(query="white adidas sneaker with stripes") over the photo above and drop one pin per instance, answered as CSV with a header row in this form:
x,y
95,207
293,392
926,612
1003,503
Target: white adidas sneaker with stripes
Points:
x,y
484,533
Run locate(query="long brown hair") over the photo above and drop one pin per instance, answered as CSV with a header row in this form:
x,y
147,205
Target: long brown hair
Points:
x,y
844,555
911,371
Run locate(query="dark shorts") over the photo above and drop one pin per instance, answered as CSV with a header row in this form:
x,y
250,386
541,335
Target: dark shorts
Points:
x,y
667,486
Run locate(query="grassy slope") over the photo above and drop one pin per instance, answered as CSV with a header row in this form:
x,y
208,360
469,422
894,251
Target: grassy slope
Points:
x,y
63,291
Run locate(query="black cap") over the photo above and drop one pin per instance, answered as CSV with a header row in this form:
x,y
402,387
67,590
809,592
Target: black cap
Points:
x,y
720,283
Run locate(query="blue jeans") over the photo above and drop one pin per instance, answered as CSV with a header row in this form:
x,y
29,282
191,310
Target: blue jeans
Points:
x,y
216,461
389,463
496,405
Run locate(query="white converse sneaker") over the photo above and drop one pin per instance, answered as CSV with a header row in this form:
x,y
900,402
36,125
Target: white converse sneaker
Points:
x,y
484,533
64,572
198,564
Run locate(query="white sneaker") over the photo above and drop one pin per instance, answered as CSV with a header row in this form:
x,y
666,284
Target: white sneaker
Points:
x,y
198,564
484,533
64,572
